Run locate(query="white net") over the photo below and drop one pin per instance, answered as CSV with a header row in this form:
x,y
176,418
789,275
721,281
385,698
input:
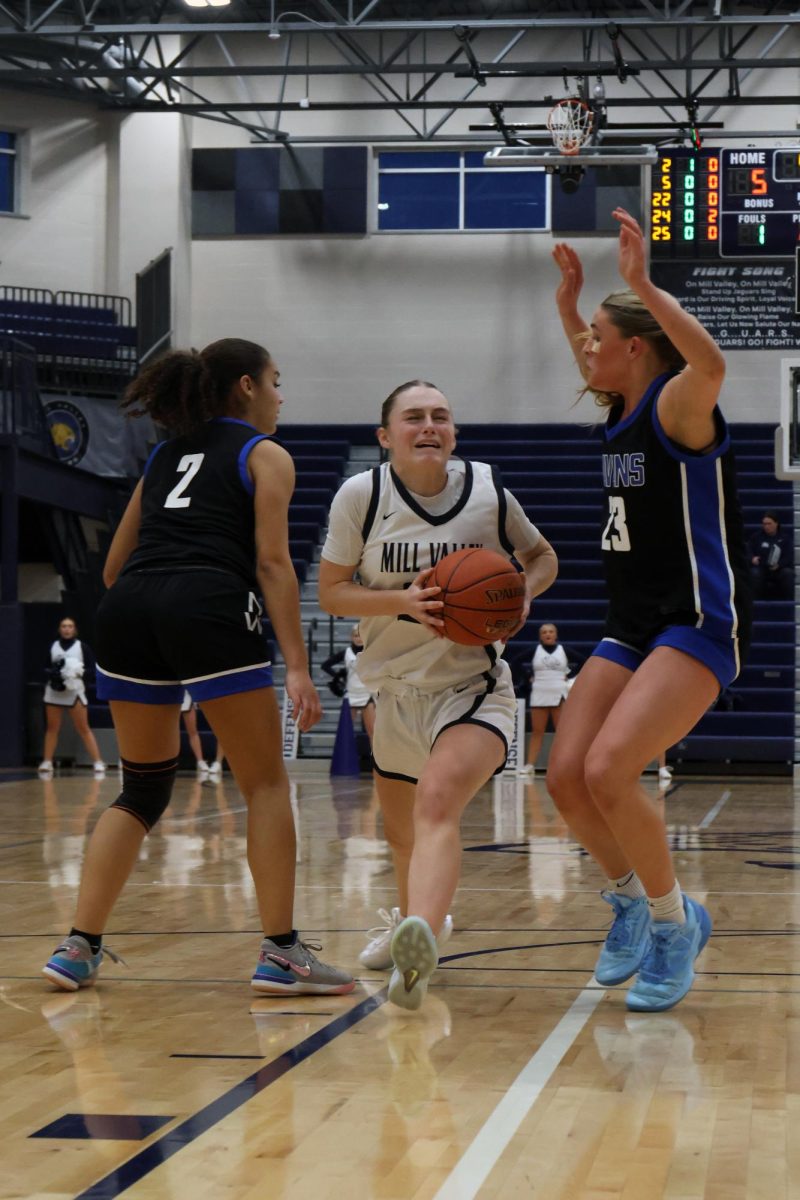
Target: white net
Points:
x,y
570,123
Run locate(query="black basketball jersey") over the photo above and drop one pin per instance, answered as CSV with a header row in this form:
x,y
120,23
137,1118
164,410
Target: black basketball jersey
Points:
x,y
197,502
673,541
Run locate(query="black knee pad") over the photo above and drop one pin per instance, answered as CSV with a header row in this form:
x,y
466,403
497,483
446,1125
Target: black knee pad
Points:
x,y
146,789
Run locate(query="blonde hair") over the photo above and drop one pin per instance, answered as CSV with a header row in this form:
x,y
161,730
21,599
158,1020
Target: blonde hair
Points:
x,y
627,312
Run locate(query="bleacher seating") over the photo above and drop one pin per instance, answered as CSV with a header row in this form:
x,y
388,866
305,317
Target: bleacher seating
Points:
x,y
319,465
554,472
71,326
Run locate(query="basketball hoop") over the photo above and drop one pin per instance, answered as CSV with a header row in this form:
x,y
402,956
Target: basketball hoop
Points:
x,y
570,123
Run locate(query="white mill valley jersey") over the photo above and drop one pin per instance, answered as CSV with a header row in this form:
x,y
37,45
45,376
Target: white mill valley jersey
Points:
x,y
391,534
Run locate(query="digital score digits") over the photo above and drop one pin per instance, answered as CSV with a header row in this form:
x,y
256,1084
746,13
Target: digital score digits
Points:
x,y
710,204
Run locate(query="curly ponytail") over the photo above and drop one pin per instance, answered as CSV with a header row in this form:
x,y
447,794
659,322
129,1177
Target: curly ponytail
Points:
x,y
183,389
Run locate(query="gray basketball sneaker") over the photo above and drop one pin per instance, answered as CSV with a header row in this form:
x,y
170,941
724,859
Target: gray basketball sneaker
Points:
x,y
295,970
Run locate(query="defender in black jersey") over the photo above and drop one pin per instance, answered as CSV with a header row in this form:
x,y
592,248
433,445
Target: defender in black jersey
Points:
x,y
679,608
204,536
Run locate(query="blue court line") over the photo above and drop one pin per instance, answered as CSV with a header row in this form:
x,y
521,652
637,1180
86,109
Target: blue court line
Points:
x,y
182,1135
216,1056
446,958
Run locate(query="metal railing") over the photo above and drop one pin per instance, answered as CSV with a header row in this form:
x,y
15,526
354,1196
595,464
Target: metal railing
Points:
x,y
21,411
26,295
119,305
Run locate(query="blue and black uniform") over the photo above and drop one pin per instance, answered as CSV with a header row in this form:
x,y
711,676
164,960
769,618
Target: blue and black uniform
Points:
x,y
185,611
673,544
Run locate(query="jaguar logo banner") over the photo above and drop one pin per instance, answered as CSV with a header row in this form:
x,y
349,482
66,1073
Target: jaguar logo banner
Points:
x,y
94,435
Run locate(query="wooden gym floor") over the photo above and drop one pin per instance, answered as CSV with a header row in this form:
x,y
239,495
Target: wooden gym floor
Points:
x,y
518,1078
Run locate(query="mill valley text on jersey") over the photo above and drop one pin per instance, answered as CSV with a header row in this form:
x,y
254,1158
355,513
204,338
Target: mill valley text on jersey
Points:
x,y
402,557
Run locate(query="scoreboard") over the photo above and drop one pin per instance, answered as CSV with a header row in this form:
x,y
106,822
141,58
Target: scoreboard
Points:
x,y
709,204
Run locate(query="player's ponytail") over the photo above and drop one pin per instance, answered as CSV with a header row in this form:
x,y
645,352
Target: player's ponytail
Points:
x,y
628,314
184,388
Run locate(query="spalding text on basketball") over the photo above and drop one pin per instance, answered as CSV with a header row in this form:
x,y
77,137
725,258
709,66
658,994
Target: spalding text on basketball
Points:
x,y
495,595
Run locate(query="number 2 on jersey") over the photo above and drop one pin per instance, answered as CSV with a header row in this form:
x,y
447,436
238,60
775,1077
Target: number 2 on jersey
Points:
x,y
190,464
615,534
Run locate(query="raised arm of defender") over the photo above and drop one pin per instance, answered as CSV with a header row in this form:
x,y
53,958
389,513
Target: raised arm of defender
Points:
x,y
567,296
687,402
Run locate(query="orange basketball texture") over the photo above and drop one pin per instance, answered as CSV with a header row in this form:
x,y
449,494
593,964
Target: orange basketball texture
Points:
x,y
483,596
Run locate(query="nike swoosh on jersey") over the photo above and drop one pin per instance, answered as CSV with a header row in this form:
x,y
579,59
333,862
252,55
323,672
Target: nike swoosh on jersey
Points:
x,y
288,965
387,515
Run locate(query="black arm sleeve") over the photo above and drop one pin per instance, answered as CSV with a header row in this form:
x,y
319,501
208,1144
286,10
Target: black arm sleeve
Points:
x,y
330,664
89,663
574,660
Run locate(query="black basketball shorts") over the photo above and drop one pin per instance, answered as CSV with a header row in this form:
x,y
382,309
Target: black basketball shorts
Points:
x,y
158,633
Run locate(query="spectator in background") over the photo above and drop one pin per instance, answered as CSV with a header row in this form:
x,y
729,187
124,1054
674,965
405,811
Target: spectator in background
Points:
x,y
550,668
68,662
358,696
189,714
772,560
218,765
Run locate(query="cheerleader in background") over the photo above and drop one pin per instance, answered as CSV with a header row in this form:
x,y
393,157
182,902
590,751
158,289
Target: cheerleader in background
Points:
x,y
551,669
65,688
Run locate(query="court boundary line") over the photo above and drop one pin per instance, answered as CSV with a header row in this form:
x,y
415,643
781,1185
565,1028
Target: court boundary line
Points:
x,y
190,1128
714,811
484,1152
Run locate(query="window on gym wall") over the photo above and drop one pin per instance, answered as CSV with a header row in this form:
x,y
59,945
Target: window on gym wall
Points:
x,y
8,171
451,190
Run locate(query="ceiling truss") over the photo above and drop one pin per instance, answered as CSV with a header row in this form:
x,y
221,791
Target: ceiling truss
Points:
x,y
685,62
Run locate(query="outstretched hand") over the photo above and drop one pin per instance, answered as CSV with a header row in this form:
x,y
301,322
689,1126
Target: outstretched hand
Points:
x,y
632,256
569,289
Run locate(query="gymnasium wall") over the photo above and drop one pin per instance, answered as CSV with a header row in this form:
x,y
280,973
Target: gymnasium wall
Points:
x,y
102,195
62,244
346,317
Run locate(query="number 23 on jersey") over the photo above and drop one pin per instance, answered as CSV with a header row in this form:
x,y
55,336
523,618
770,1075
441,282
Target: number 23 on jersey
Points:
x,y
615,535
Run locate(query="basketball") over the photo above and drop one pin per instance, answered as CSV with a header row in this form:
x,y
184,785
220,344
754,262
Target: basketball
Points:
x,y
483,596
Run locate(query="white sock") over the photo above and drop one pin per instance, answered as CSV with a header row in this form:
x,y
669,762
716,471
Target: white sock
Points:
x,y
669,907
627,885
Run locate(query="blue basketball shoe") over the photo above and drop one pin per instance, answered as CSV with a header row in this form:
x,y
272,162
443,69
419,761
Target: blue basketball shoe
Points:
x,y
72,964
415,955
667,972
628,940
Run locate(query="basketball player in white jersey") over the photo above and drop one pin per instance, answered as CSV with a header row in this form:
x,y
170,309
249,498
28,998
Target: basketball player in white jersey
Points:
x,y
445,713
